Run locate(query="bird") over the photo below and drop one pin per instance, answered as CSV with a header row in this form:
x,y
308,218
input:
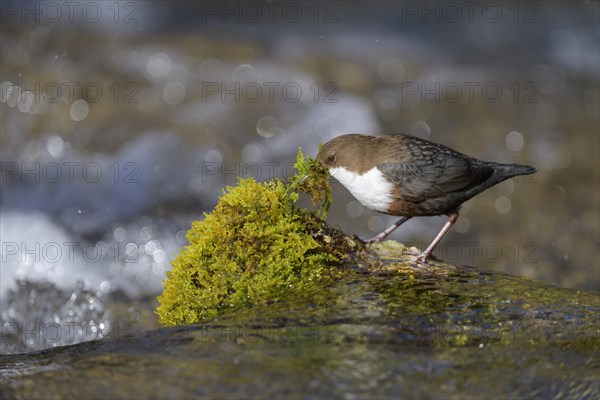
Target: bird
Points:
x,y
408,176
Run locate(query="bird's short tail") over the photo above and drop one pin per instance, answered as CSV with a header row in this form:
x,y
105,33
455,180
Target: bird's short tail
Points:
x,y
519,169
509,170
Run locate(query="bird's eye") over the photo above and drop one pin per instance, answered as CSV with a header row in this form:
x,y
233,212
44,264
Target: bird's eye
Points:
x,y
330,159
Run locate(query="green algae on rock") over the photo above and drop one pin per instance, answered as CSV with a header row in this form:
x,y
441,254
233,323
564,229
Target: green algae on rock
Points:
x,y
255,247
451,305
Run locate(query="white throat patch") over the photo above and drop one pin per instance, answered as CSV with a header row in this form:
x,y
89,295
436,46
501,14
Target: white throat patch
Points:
x,y
371,189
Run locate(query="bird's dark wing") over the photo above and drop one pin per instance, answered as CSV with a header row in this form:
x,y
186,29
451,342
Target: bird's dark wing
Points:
x,y
428,179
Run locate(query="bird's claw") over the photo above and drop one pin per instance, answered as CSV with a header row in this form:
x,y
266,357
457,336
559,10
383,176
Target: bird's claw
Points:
x,y
367,242
422,259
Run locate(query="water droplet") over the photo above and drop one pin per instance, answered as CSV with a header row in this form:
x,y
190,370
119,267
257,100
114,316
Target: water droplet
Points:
x,y
420,129
12,93
105,286
174,93
213,156
158,268
245,73
151,247
146,233
158,65
180,237
375,223
159,256
26,101
250,153
507,187
120,234
267,126
55,146
354,209
79,110
514,141
503,204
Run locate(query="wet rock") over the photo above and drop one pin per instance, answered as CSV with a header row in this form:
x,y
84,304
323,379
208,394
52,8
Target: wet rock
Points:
x,y
392,328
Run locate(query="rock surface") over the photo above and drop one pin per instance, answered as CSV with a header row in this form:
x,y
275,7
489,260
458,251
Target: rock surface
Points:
x,y
391,329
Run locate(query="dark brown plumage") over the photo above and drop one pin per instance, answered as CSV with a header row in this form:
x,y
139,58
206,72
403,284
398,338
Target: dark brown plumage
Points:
x,y
408,176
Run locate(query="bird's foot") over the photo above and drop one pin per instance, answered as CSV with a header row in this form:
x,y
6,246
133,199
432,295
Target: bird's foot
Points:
x,y
423,257
372,240
368,242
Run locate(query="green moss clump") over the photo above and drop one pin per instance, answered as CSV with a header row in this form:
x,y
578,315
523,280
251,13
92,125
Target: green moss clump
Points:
x,y
255,247
313,179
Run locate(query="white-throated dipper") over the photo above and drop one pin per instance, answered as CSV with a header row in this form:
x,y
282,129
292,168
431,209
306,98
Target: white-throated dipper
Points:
x,y
410,177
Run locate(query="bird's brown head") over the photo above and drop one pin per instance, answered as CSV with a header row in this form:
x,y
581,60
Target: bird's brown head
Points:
x,y
347,151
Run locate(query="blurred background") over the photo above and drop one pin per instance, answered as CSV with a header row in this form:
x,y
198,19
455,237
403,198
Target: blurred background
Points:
x,y
121,122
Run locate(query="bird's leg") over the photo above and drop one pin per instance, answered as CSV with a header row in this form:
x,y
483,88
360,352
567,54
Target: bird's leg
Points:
x,y
427,253
383,234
